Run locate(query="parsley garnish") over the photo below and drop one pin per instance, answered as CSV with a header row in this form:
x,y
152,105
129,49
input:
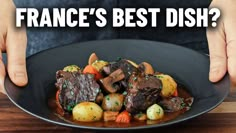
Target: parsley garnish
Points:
x,y
108,98
94,117
130,85
124,93
135,79
117,103
158,76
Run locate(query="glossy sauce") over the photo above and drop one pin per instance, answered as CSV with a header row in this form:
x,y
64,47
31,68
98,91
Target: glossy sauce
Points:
x,y
167,116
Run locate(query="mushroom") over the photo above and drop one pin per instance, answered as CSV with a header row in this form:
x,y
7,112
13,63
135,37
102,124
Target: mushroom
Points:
x,y
108,82
146,68
93,57
133,63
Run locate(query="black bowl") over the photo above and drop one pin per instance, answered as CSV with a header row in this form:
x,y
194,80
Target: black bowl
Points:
x,y
187,66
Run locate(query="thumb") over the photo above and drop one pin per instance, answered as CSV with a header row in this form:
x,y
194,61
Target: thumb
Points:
x,y
217,51
16,55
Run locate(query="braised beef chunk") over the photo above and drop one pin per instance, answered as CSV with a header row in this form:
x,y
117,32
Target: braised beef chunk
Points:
x,y
174,104
75,88
143,91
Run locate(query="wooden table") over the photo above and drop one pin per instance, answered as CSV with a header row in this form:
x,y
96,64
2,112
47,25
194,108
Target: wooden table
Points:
x,y
220,120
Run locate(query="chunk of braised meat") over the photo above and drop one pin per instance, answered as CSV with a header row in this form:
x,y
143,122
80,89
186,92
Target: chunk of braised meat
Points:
x,y
75,88
174,104
143,91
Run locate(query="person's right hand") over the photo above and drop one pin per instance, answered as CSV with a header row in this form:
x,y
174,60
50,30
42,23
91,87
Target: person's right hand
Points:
x,y
222,42
12,41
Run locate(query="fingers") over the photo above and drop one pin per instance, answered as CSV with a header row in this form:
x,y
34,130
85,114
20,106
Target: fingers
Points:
x,y
2,66
217,51
2,74
231,52
230,30
16,53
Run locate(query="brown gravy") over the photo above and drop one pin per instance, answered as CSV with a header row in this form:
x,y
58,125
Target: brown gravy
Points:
x,y
111,124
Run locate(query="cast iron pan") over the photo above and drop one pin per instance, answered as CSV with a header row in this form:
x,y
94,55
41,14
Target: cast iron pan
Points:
x,y
186,66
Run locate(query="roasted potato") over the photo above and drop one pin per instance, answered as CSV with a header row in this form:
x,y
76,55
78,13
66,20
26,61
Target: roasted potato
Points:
x,y
71,68
155,112
113,102
169,86
99,64
87,112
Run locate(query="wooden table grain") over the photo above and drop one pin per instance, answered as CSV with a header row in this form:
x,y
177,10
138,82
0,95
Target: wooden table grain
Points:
x,y
220,120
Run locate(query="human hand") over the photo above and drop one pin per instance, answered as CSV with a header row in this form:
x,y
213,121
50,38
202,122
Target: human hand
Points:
x,y
222,42
13,42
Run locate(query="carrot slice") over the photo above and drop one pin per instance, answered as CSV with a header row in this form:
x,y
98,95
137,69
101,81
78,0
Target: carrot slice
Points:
x,y
57,95
90,69
176,93
57,99
123,117
59,109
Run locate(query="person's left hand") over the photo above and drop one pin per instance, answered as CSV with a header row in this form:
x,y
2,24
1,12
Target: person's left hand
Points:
x,y
222,42
13,41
